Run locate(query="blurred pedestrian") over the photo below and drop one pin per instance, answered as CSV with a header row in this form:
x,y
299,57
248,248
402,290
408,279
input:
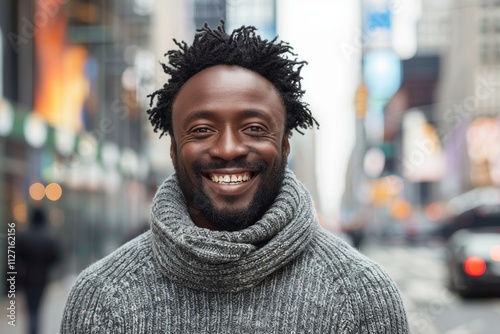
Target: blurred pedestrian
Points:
x,y
37,252
235,245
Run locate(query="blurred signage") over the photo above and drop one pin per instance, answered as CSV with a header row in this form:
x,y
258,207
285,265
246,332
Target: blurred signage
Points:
x,y
381,65
382,73
422,155
378,18
483,138
377,23
392,24
63,86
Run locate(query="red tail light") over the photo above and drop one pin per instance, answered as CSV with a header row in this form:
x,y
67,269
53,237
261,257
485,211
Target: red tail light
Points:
x,y
474,266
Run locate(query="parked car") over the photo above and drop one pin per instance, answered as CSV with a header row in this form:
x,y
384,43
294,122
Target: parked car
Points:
x,y
473,256
475,217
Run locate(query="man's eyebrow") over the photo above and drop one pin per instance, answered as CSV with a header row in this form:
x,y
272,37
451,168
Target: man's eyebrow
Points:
x,y
253,113
209,114
197,115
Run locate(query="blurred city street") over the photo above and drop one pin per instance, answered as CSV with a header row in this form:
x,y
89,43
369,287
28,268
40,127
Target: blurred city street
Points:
x,y
419,272
407,153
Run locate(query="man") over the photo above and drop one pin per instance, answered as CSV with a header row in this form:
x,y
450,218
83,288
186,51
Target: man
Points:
x,y
234,246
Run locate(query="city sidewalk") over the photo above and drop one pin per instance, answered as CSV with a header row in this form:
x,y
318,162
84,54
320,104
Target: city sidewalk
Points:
x,y
51,310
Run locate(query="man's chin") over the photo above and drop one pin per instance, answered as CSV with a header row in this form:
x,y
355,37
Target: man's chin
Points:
x,y
233,220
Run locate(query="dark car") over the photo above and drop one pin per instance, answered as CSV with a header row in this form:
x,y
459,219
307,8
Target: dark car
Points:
x,y
473,256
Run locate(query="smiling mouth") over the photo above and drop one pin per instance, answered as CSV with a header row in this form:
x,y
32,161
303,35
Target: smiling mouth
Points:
x,y
231,178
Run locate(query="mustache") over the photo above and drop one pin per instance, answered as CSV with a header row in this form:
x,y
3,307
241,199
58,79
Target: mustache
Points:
x,y
258,165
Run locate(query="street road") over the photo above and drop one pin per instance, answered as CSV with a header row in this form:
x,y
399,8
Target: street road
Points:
x,y
420,274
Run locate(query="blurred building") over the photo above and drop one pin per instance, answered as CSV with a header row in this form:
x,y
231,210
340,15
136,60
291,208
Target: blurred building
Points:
x,y
469,115
74,135
75,76
418,155
433,29
442,127
398,160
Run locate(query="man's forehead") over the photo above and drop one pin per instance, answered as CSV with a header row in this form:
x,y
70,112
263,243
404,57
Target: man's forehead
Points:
x,y
228,84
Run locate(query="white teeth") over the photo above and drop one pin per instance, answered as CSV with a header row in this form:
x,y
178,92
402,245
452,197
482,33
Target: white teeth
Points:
x,y
231,178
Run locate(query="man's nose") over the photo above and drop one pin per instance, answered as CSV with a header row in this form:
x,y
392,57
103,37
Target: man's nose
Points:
x,y
229,145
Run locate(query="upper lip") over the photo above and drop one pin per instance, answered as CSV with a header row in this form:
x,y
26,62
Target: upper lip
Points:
x,y
228,171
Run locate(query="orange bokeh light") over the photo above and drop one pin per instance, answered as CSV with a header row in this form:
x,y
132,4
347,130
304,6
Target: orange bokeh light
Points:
x,y
37,191
400,209
19,213
53,191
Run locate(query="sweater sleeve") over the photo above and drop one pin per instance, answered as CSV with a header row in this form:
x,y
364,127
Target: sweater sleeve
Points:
x,y
377,304
89,308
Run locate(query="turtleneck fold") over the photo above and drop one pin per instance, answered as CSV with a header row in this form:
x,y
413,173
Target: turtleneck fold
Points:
x,y
214,261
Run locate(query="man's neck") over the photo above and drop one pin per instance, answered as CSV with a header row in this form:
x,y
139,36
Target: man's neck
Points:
x,y
200,220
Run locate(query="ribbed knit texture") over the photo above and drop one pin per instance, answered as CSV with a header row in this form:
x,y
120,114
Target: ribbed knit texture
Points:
x,y
284,274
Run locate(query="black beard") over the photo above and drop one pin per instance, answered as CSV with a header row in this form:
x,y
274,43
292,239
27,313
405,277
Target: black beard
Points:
x,y
227,219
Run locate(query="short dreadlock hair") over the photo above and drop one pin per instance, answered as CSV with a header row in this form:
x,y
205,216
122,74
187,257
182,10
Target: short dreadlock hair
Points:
x,y
243,47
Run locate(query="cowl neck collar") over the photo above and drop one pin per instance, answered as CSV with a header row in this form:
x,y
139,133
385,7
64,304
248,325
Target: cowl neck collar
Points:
x,y
222,261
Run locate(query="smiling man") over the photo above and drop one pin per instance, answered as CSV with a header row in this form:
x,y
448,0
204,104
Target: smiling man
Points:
x,y
234,245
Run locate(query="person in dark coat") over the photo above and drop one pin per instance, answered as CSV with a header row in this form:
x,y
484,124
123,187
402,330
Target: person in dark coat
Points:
x,y
37,252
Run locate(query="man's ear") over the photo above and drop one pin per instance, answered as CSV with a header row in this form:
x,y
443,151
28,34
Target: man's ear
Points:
x,y
286,144
173,149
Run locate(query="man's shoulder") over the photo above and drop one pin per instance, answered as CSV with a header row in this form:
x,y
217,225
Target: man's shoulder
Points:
x,y
125,260
333,249
93,300
341,261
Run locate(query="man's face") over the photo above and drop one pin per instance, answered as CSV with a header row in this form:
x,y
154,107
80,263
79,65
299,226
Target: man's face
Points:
x,y
229,146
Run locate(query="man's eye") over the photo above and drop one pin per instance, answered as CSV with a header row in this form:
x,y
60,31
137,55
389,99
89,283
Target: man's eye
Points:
x,y
201,130
255,128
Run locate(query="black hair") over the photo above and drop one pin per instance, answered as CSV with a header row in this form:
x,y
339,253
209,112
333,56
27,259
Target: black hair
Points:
x,y
243,47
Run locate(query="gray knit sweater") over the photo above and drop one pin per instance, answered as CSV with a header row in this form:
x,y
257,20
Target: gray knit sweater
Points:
x,y
284,274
